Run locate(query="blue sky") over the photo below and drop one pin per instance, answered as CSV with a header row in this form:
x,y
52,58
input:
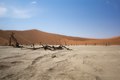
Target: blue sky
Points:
x,y
82,18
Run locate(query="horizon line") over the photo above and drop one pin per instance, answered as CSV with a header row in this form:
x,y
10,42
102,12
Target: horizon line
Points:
x,y
57,33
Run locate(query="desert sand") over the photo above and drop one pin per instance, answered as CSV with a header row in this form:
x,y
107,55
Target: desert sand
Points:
x,y
81,63
37,37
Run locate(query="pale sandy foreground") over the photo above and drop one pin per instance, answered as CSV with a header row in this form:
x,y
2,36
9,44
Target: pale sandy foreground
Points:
x,y
82,63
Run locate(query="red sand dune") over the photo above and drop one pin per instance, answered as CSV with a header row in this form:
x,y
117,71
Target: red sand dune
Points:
x,y
36,36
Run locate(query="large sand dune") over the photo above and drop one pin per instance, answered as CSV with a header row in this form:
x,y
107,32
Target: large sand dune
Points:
x,y
36,36
82,63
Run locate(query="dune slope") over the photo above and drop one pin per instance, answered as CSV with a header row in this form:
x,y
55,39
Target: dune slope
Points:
x,y
36,36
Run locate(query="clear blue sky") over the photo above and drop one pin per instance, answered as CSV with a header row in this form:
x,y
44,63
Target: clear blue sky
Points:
x,y
82,18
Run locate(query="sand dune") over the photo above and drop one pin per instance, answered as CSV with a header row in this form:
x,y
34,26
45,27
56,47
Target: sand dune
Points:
x,y
36,36
82,63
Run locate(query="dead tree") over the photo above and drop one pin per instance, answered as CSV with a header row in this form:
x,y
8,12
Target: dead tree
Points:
x,y
12,37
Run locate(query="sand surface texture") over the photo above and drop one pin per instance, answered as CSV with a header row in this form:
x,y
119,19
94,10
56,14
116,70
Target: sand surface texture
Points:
x,y
82,63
